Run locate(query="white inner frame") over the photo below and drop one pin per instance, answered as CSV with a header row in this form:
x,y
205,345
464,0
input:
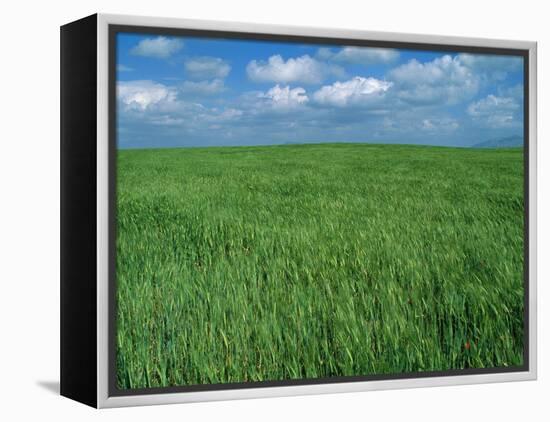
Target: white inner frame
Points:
x,y
103,399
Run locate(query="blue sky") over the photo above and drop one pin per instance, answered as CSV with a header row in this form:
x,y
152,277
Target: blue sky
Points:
x,y
189,91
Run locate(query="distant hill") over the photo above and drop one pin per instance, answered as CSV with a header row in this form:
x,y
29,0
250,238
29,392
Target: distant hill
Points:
x,y
507,142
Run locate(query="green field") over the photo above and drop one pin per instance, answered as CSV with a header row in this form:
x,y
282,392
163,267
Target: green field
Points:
x,y
303,261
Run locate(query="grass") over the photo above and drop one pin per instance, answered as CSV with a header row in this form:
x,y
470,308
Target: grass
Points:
x,y
243,264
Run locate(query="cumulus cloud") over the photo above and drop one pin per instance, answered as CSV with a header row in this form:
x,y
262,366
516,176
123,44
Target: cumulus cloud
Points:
x,y
358,90
148,104
360,55
304,69
284,97
445,80
212,87
439,100
495,111
159,47
141,95
207,68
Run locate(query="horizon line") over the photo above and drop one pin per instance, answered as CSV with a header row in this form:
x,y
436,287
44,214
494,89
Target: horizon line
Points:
x,y
291,144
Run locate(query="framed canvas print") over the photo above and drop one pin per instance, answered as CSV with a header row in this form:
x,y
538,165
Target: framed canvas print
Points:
x,y
253,210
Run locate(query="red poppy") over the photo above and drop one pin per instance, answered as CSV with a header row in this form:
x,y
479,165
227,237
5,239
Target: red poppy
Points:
x,y
467,345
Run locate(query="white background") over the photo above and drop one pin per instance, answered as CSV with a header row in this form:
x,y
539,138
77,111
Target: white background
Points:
x,y
29,208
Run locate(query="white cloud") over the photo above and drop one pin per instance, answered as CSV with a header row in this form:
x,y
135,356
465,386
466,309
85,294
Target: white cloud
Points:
x,y
495,111
214,86
516,92
444,80
325,53
285,97
491,103
358,90
303,69
495,67
427,124
360,55
439,125
149,102
159,47
230,114
141,95
166,120
207,68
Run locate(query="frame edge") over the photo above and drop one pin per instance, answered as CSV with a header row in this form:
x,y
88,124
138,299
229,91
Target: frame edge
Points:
x,y
78,345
